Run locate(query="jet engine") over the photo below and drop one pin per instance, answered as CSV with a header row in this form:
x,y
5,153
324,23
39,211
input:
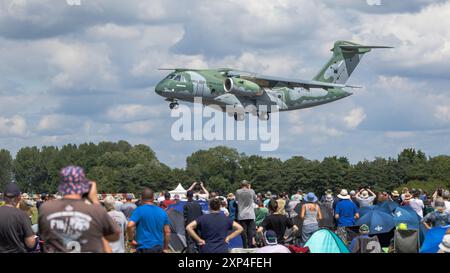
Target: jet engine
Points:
x,y
242,87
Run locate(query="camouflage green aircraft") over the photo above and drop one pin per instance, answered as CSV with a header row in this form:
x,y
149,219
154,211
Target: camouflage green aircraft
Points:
x,y
234,91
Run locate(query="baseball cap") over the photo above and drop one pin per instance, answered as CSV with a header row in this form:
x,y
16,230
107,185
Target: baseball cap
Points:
x,y
271,237
11,190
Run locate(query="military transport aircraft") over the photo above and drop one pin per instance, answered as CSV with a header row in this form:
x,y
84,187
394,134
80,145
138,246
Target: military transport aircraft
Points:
x,y
233,91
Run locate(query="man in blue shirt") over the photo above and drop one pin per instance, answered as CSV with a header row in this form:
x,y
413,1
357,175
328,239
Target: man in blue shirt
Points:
x,y
151,224
346,211
215,230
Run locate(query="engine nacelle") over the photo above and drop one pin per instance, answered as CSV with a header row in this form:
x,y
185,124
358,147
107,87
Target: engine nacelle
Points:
x,y
242,87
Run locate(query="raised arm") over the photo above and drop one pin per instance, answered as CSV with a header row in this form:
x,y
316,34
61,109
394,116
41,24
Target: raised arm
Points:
x,y
371,192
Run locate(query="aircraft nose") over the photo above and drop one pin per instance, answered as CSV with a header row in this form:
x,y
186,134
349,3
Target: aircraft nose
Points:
x,y
159,88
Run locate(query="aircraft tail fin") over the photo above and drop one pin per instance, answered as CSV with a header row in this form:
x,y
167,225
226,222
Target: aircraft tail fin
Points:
x,y
346,56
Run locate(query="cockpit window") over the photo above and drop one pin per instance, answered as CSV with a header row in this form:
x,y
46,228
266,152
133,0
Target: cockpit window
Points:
x,y
177,78
171,76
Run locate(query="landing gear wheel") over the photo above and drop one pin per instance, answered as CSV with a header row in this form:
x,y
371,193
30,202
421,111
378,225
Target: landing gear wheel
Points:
x,y
173,105
239,117
263,115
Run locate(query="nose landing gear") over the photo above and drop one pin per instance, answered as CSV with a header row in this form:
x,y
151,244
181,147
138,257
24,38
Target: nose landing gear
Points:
x,y
173,105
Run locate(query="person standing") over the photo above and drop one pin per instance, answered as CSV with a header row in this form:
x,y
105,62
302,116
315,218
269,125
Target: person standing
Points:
x,y
346,214
191,211
245,198
416,204
365,197
71,224
276,222
16,235
128,207
149,225
438,218
214,229
311,216
167,201
121,221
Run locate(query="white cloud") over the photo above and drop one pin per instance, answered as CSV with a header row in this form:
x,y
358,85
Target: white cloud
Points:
x,y
132,112
442,112
114,31
13,126
139,127
355,117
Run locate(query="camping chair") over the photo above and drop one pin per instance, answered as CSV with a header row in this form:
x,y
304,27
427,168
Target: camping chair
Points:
x,y
367,245
406,241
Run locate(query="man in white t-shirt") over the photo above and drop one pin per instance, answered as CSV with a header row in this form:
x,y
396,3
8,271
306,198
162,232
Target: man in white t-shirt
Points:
x,y
416,204
364,199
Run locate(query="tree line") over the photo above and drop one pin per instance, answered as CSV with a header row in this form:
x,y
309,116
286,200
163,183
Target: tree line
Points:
x,y
122,167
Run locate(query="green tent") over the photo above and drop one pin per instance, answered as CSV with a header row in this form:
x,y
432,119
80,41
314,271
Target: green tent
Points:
x,y
326,241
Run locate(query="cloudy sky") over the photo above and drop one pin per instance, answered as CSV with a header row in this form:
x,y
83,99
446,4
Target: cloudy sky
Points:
x,y
73,74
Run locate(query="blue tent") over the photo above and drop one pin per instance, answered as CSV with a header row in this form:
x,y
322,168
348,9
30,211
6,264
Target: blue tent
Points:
x,y
433,238
378,220
326,241
408,216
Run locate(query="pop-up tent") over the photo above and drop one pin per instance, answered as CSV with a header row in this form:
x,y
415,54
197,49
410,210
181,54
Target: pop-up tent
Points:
x,y
326,241
178,190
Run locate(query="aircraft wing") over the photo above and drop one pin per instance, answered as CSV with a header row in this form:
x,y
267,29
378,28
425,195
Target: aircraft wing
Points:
x,y
271,81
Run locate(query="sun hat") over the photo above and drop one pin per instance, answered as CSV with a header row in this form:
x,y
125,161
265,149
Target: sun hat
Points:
x,y
109,202
73,181
439,204
395,193
365,194
364,229
328,191
270,237
329,197
129,196
344,194
445,244
408,196
311,197
352,193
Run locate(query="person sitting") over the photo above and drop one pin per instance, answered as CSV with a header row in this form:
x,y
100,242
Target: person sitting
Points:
x,y
272,246
360,244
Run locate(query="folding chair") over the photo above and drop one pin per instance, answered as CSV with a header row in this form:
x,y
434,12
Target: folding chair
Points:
x,y
406,241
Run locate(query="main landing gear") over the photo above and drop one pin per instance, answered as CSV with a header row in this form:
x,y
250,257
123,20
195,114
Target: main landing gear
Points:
x,y
263,115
